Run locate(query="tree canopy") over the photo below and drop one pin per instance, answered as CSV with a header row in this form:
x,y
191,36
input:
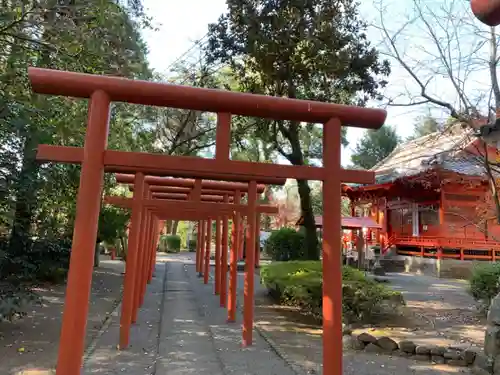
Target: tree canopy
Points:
x,y
314,49
374,146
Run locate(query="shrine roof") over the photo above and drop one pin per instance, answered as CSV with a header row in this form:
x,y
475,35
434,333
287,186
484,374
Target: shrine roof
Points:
x,y
443,150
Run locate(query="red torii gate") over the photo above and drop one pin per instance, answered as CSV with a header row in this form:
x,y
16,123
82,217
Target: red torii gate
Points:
x,y
96,159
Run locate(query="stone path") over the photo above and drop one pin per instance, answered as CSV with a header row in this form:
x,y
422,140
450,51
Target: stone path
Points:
x,y
182,330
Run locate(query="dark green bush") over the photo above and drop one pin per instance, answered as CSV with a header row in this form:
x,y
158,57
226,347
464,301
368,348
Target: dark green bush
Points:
x,y
300,283
43,260
484,283
192,245
173,243
285,244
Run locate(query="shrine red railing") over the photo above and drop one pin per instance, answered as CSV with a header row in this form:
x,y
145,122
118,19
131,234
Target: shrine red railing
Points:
x,y
452,248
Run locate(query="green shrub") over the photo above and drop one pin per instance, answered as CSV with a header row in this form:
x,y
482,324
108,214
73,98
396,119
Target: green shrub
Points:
x,y
42,260
300,283
192,245
173,243
285,244
484,283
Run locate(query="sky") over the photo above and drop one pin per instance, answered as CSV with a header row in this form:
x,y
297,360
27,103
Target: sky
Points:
x,y
180,23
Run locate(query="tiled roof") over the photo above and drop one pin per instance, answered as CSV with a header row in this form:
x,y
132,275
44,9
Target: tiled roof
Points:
x,y
440,149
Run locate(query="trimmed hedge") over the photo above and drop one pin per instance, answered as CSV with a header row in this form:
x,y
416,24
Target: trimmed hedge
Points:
x,y
173,243
300,283
285,244
484,283
192,245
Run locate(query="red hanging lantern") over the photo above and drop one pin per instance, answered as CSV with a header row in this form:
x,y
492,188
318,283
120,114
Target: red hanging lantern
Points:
x,y
487,11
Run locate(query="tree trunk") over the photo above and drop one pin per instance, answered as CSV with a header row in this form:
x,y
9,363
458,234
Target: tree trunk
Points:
x,y
124,248
360,247
312,245
169,226
175,225
296,157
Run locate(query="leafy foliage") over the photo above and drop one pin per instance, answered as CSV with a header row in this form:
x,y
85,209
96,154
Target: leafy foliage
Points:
x,y
484,283
300,283
192,245
112,224
285,244
37,205
375,146
425,126
315,49
173,243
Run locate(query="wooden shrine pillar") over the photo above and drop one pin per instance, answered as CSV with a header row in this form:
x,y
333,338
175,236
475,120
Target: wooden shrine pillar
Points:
x,y
233,260
202,248
224,245
198,246
76,305
152,251
206,272
248,305
257,240
131,264
218,240
332,264
441,212
141,256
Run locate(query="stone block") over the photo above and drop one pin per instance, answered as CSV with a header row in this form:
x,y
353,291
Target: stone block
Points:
x,y
423,349
407,346
387,344
453,354
438,350
352,342
367,338
437,359
470,354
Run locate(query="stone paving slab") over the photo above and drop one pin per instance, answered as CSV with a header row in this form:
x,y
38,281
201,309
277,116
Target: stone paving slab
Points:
x,y
259,359
103,357
186,346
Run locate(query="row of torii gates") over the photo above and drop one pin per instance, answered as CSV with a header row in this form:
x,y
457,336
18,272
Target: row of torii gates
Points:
x,y
148,206
157,199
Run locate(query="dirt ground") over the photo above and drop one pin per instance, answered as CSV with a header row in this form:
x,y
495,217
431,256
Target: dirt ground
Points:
x,y
438,311
32,342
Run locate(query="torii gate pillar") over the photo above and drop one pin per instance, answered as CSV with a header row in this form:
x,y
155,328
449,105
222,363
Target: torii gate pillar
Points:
x,y
88,203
